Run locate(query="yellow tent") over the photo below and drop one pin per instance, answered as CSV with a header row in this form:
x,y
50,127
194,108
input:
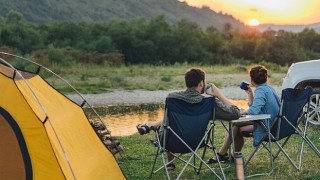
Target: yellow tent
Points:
x,y
44,135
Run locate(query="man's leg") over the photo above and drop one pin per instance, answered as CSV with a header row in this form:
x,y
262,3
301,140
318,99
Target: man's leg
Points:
x,y
170,156
145,128
223,152
171,165
154,124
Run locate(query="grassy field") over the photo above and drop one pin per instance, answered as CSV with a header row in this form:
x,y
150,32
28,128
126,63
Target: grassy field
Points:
x,y
137,158
101,79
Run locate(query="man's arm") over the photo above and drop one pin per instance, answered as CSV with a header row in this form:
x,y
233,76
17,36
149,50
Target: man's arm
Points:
x,y
224,112
225,109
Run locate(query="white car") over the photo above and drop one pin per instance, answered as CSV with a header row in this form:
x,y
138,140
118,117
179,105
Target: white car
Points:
x,y
304,74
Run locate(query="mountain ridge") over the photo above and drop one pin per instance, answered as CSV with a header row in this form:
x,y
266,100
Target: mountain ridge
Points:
x,y
288,27
40,11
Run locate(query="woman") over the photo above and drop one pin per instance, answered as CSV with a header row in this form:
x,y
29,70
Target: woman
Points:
x,y
263,101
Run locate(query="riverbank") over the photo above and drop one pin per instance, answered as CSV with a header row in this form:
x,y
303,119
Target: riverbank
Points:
x,y
134,97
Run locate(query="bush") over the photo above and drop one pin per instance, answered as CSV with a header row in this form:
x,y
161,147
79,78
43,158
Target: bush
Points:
x,y
166,78
57,56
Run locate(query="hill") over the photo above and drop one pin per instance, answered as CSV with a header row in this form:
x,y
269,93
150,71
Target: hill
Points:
x,y
292,28
40,11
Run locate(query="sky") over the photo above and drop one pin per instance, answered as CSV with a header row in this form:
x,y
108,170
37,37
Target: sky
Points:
x,y
285,12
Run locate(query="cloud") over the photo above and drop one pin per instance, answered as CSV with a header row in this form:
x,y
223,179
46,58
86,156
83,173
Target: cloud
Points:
x,y
253,10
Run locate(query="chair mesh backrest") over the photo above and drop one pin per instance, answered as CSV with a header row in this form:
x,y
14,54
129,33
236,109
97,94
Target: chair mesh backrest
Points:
x,y
292,103
189,121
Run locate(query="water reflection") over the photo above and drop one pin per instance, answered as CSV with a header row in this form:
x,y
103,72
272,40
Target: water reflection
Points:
x,y
122,120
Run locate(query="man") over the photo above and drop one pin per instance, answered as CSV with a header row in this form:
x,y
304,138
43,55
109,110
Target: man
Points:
x,y
195,83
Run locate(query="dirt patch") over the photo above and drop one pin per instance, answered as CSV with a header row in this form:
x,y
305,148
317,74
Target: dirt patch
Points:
x,y
145,97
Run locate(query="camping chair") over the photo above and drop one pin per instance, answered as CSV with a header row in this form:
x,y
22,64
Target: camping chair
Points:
x,y
187,128
291,114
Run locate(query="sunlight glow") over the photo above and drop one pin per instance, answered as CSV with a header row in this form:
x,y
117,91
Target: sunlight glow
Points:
x,y
272,11
254,22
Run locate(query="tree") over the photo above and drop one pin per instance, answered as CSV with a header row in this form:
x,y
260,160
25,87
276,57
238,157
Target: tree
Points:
x,y
244,43
19,34
264,45
216,46
15,18
227,32
190,40
286,49
104,45
162,36
309,39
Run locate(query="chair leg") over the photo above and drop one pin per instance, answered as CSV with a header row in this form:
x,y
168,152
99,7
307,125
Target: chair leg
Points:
x,y
154,162
287,156
282,145
251,156
192,160
209,139
165,164
202,156
268,147
304,136
220,167
312,146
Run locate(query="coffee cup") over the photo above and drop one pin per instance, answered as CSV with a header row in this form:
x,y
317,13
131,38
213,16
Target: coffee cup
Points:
x,y
244,85
209,88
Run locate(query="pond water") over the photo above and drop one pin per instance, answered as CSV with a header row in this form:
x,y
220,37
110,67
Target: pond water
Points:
x,y
122,120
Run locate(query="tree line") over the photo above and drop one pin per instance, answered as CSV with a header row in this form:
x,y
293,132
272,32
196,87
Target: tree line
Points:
x,y
153,41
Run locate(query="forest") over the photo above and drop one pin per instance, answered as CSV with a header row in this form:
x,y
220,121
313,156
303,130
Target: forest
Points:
x,y
153,41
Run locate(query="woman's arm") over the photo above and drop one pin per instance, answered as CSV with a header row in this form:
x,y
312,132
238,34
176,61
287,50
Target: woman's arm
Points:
x,y
250,95
258,102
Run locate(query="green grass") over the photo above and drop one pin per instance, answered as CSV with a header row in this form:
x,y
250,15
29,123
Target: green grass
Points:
x,y
137,158
102,78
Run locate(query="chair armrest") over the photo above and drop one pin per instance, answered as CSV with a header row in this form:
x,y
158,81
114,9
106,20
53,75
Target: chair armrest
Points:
x,y
252,118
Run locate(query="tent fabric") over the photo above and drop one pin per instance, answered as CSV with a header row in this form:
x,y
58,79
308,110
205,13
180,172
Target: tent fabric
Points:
x,y
59,139
12,150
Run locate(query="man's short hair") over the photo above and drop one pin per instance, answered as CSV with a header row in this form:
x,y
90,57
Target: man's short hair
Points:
x,y
193,77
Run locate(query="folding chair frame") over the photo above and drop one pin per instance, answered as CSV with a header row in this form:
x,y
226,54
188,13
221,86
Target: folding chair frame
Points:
x,y
267,145
208,138
304,137
298,131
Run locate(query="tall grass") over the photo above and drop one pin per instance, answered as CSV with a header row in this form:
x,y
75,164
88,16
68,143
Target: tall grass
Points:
x,y
103,78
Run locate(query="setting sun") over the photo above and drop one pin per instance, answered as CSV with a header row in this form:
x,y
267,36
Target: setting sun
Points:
x,y
272,11
254,22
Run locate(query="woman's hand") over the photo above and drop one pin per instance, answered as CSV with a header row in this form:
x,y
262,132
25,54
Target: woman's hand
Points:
x,y
250,94
249,90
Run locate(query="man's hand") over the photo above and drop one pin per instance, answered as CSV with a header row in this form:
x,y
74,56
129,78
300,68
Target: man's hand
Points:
x,y
214,91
